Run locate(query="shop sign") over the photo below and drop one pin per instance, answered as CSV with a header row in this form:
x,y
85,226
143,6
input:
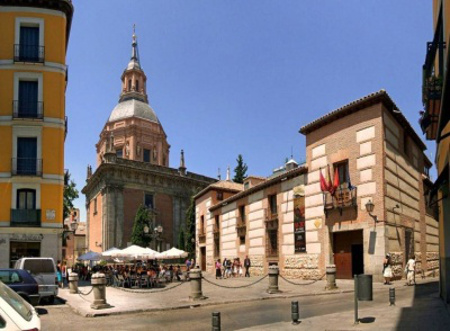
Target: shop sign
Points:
x,y
26,237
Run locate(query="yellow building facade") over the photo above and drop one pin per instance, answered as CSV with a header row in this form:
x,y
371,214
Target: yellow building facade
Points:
x,y
33,124
436,126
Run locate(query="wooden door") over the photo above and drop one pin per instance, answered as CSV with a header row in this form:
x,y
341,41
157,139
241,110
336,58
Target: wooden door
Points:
x,y
343,263
203,258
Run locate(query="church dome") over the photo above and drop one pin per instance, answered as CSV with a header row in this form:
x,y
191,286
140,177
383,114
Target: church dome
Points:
x,y
133,108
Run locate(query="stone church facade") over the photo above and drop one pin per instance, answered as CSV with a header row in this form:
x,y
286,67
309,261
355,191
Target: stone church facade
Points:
x,y
133,170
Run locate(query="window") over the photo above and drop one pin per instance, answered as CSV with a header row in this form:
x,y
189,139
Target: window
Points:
x,y
426,171
148,200
26,199
219,195
137,85
27,163
147,154
95,206
406,146
27,105
129,85
202,225
242,213
119,153
273,204
242,240
342,168
29,40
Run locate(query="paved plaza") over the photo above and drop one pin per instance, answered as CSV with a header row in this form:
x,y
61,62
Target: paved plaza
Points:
x,y
413,311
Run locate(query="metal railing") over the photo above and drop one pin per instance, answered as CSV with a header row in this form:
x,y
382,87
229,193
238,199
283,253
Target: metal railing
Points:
x,y
29,53
26,166
24,109
26,217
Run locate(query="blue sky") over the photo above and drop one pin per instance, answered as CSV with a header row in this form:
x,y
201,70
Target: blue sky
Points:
x,y
240,77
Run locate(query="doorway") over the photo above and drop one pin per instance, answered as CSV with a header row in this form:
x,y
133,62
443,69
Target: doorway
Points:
x,y
203,258
348,250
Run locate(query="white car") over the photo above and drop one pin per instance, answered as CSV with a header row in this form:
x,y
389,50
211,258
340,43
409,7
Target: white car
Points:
x,y
16,313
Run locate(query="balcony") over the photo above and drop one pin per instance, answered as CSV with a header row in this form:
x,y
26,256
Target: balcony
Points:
x,y
201,237
241,228
26,217
23,109
29,53
344,197
271,218
26,166
432,81
216,231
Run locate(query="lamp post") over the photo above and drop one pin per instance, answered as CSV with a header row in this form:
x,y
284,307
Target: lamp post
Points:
x,y
73,226
155,235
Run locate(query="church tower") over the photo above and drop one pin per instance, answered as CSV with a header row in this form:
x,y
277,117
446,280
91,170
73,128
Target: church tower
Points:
x,y
133,131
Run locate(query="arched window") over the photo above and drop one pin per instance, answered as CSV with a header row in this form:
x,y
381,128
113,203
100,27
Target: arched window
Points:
x,y
129,85
137,85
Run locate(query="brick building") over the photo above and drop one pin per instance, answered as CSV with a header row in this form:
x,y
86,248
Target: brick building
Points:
x,y
379,159
133,170
263,218
288,220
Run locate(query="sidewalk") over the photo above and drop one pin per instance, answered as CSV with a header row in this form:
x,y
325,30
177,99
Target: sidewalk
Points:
x,y
176,296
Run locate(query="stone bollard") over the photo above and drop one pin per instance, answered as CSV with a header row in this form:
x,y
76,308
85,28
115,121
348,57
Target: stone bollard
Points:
x,y
273,280
73,283
195,276
331,277
98,282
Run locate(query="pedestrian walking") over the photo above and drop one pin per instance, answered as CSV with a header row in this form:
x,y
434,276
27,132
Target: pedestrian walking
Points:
x,y
387,270
410,270
247,265
218,267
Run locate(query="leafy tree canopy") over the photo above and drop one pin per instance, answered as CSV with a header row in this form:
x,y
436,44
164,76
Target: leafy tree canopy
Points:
x,y
70,194
142,219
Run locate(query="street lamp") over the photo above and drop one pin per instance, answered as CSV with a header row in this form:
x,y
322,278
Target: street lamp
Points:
x,y
369,208
155,235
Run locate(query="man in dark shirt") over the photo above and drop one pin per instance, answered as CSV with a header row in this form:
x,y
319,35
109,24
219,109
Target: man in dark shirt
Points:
x,y
247,265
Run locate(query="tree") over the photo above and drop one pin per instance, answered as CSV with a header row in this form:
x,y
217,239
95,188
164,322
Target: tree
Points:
x,y
240,171
142,219
70,194
190,228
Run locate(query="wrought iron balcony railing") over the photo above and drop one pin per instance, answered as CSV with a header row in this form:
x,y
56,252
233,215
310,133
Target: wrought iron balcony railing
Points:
x,y
432,82
201,236
26,166
26,217
29,53
24,109
344,197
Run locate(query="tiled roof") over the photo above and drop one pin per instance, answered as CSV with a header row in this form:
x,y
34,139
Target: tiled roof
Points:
x,y
361,103
272,181
223,185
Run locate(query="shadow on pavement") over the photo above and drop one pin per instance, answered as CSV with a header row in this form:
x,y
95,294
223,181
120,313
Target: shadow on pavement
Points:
x,y
428,311
367,320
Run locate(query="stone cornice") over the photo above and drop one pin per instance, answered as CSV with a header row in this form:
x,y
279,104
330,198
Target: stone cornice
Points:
x,y
128,173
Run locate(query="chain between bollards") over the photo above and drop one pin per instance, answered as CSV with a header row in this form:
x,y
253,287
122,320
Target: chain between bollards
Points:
x,y
215,321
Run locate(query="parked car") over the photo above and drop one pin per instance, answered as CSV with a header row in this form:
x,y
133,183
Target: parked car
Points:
x,y
43,270
15,312
21,282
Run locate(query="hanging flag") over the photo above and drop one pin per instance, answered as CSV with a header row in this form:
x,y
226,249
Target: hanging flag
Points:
x,y
328,179
323,184
349,181
335,181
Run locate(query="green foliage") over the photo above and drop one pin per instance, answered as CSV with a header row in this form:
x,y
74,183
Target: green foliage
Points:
x,y
70,194
240,171
181,241
190,229
138,237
